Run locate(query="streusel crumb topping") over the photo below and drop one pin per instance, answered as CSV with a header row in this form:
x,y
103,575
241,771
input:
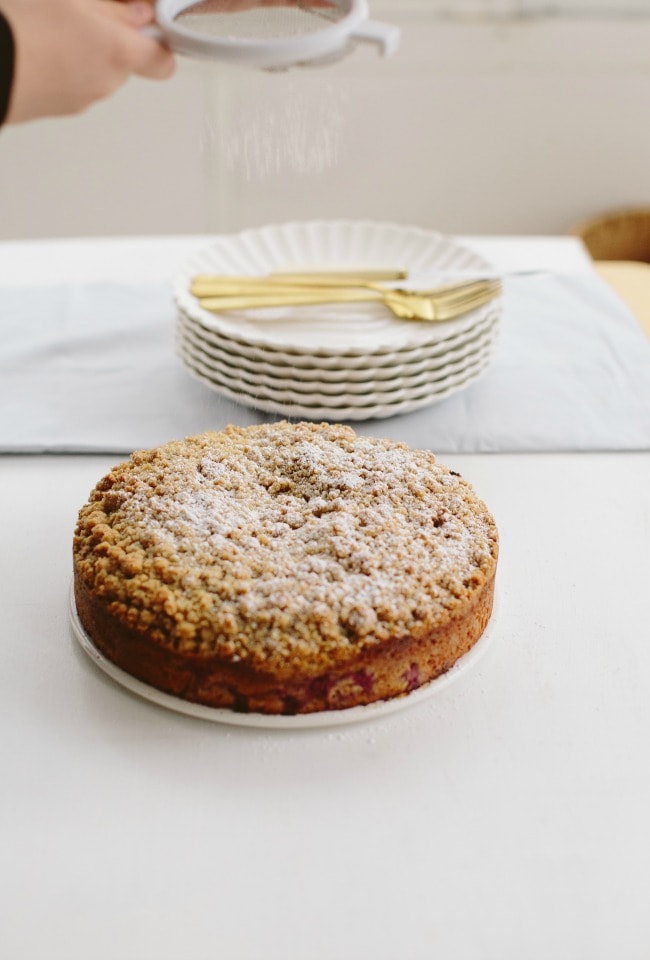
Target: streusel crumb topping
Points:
x,y
284,541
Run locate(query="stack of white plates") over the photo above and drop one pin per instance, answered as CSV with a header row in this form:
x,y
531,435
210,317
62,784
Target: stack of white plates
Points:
x,y
334,362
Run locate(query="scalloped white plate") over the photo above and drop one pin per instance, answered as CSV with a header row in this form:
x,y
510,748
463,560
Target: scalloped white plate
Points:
x,y
357,412
313,393
348,361
319,391
404,364
360,329
325,718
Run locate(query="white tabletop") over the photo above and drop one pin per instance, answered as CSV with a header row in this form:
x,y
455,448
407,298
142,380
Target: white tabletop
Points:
x,y
506,817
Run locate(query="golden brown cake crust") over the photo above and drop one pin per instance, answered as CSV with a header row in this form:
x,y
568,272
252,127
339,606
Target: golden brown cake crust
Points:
x,y
284,568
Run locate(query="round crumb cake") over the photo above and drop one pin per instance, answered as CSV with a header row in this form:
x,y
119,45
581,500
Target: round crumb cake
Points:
x,y
284,568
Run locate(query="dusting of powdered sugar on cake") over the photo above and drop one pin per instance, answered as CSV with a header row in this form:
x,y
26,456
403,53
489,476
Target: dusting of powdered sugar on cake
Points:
x,y
263,541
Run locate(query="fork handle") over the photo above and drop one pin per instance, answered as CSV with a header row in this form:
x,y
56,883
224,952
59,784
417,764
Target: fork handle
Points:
x,y
289,299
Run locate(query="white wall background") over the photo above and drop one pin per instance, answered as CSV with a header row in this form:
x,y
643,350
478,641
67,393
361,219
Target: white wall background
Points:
x,y
496,116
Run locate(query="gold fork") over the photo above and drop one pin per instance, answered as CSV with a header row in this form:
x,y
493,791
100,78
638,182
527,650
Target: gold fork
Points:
x,y
443,303
213,285
208,284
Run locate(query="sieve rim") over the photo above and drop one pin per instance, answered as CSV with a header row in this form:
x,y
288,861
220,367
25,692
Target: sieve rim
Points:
x,y
255,51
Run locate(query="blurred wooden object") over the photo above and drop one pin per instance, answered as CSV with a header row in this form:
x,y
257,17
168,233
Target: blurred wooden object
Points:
x,y
620,235
619,243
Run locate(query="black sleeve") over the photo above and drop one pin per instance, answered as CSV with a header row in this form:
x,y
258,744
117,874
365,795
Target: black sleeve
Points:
x,y
6,66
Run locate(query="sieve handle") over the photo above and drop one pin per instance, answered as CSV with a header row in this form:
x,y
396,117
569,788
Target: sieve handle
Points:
x,y
383,35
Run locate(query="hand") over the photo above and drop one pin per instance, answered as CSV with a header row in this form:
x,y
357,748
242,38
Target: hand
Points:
x,y
71,53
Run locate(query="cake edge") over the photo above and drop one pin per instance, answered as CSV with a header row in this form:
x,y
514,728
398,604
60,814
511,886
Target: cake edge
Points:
x,y
390,669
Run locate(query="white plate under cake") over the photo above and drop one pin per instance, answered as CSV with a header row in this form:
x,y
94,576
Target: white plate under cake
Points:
x,y
285,568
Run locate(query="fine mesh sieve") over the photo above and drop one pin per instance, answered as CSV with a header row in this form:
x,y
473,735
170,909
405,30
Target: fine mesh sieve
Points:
x,y
271,34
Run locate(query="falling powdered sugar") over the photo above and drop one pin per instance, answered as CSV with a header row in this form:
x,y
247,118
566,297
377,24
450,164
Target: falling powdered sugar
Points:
x,y
288,127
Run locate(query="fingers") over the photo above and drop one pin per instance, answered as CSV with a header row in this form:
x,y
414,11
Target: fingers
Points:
x,y
146,56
